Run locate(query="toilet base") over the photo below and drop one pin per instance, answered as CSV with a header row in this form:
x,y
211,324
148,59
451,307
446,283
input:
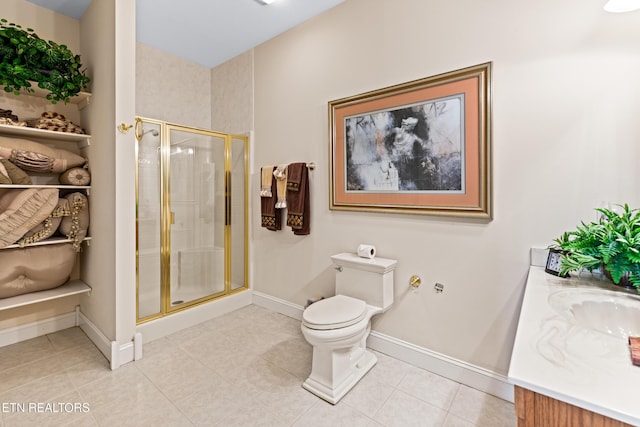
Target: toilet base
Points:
x,y
333,395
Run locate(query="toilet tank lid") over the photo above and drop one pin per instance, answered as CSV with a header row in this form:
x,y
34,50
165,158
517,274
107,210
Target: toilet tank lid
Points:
x,y
375,265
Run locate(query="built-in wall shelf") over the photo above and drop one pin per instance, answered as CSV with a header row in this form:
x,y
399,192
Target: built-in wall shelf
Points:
x,y
49,241
82,99
29,132
73,287
58,186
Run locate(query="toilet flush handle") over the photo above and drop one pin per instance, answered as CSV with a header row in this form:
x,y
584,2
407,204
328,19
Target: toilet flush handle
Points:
x,y
338,268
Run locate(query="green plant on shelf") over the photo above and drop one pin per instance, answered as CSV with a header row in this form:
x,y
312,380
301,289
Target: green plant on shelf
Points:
x,y
26,59
612,243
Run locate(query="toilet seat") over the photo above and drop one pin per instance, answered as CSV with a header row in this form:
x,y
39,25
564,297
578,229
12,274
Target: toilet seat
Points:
x,y
336,312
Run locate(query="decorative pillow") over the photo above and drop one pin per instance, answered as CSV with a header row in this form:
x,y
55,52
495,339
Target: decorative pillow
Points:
x,y
35,268
4,175
21,210
33,156
75,226
16,175
75,176
49,226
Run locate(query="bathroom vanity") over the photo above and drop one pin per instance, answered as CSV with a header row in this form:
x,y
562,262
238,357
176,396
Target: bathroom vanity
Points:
x,y
570,363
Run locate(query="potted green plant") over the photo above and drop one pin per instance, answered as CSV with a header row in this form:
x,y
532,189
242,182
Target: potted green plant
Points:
x,y
26,59
612,244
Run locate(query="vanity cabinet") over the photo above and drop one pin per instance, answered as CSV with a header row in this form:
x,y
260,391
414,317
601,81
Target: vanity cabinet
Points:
x,y
71,142
567,372
535,410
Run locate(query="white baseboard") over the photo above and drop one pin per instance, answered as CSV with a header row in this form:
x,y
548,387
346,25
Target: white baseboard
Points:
x,y
276,304
457,370
96,336
35,329
117,354
164,326
465,373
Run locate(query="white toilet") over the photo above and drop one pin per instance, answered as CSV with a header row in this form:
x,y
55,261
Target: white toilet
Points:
x,y
338,327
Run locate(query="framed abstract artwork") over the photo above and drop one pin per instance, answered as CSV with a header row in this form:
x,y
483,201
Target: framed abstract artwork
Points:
x,y
420,147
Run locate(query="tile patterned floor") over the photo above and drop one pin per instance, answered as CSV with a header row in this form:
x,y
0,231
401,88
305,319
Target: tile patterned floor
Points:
x,y
241,369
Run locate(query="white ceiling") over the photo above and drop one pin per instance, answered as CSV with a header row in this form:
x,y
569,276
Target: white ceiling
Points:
x,y
207,32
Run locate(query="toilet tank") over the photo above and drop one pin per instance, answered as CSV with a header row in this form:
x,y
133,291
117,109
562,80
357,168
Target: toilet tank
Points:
x,y
370,280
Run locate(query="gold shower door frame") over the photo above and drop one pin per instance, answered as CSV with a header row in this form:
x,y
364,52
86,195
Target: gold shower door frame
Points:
x,y
166,216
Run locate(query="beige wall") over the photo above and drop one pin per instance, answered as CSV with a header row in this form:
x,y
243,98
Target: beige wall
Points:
x,y
99,261
565,138
232,95
108,46
47,24
172,89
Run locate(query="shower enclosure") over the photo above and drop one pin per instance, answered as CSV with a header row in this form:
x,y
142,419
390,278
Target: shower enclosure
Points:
x,y
192,216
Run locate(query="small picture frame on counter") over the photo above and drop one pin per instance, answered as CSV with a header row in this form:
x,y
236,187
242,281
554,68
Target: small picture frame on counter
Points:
x,y
554,261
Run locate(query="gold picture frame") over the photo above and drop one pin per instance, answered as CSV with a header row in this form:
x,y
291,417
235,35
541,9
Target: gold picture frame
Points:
x,y
421,147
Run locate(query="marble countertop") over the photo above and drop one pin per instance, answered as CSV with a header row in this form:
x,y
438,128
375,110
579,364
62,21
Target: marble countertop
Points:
x,y
554,356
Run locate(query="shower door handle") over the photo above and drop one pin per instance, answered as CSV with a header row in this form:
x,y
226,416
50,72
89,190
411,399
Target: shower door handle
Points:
x,y
227,199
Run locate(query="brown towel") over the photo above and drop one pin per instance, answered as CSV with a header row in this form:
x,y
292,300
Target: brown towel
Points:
x,y
270,216
298,206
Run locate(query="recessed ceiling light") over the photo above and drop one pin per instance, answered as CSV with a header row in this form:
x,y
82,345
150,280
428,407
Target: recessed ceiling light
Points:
x,y
265,2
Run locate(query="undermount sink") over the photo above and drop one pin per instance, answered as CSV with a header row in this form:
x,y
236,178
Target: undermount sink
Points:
x,y
612,313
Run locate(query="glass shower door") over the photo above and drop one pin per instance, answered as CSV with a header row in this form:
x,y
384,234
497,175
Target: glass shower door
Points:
x,y
192,216
196,215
